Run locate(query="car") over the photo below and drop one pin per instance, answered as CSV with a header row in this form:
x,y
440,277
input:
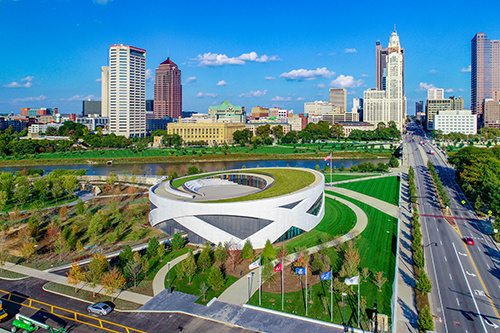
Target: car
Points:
x,y
101,309
469,241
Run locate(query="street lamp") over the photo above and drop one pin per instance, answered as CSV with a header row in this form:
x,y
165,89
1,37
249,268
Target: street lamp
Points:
x,y
376,316
36,255
168,278
249,288
432,243
343,303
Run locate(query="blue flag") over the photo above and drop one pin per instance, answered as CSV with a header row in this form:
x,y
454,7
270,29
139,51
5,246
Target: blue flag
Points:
x,y
326,276
300,271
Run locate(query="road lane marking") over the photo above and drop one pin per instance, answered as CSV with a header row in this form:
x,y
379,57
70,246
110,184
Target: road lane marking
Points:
x,y
458,303
488,267
445,259
450,277
441,242
471,274
468,286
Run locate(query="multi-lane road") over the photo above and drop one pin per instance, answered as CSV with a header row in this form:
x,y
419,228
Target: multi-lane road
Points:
x,y
466,278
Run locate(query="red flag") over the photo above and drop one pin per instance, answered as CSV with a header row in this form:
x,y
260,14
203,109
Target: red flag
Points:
x,y
278,267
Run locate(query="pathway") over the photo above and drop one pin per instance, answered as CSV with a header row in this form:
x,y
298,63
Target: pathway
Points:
x,y
238,293
159,280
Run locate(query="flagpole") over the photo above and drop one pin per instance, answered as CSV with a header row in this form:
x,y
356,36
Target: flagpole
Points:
x,y
260,281
331,167
331,294
306,290
282,288
359,282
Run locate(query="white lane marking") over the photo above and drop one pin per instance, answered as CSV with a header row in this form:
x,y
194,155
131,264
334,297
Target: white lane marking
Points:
x,y
445,259
462,254
488,267
471,274
468,286
441,242
451,277
437,229
458,303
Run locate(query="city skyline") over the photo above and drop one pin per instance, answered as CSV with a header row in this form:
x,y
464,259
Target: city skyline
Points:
x,y
261,61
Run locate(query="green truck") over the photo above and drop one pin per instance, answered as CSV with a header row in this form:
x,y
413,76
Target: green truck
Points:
x,y
30,325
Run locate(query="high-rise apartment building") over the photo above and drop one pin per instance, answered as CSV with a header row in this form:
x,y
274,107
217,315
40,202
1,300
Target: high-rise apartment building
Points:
x,y
390,104
168,90
127,91
338,97
485,72
435,93
105,91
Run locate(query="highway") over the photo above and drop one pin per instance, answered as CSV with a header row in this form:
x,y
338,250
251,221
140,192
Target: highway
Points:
x,y
465,278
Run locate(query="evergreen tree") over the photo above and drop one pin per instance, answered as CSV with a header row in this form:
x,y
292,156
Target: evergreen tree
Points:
x,y
204,260
125,256
153,245
268,253
220,253
177,241
215,278
247,251
190,266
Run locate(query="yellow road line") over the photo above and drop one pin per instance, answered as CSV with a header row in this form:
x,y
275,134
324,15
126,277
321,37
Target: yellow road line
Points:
x,y
76,314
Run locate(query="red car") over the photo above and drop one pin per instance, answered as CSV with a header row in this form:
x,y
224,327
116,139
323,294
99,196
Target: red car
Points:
x,y
469,241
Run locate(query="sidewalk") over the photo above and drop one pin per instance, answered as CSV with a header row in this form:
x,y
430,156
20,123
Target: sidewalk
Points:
x,y
51,277
159,280
240,291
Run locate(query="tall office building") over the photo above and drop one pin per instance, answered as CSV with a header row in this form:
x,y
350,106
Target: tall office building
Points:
x,y
381,66
127,91
435,93
105,91
485,72
338,97
168,90
445,104
389,104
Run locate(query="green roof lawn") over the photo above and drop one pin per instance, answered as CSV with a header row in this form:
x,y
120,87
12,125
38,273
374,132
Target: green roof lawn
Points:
x,y
384,188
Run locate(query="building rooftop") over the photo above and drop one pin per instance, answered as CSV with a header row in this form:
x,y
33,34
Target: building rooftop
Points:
x,y
169,62
224,106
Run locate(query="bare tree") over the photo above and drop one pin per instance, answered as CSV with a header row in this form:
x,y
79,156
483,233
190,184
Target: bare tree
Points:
x,y
379,280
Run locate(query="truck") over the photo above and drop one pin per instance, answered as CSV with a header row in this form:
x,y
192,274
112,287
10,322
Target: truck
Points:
x,y
30,325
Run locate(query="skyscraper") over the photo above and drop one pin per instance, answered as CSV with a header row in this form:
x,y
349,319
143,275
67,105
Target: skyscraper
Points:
x,y
127,91
435,93
381,66
338,97
485,72
105,91
168,90
389,104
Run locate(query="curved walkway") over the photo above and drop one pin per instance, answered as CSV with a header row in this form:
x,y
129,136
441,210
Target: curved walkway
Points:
x,y
159,280
238,292
383,206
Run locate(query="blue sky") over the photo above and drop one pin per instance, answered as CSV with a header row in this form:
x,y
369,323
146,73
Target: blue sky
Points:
x,y
267,53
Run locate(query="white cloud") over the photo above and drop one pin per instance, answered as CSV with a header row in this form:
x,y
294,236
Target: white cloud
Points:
x,y
465,70
300,98
102,2
191,79
30,99
449,90
321,85
331,54
202,94
150,78
306,74
98,80
350,51
460,89
28,83
222,83
346,82
433,71
281,99
81,98
424,86
257,93
270,78
365,75
352,92
215,59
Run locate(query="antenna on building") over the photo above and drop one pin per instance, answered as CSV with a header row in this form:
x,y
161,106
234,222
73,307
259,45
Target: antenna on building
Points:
x,y
395,28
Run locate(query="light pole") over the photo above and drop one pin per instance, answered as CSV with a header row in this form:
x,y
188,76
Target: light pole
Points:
x,y
109,260
376,316
432,243
248,286
36,255
168,278
343,304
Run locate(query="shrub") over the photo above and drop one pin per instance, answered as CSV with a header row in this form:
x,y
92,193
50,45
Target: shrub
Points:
x,y
425,322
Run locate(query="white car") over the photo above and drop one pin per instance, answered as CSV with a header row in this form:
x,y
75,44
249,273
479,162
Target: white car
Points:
x,y
101,309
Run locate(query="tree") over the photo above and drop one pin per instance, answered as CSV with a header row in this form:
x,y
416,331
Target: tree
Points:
x,y
351,261
393,162
134,267
152,249
278,131
190,266
317,265
97,266
215,278
425,321
80,207
337,131
365,273
263,131
96,224
220,253
113,281
23,190
268,253
379,280
233,253
177,241
161,251
3,200
424,284
27,250
63,211
204,260
75,275
203,290
70,184
268,273
282,253
124,257
33,227
247,251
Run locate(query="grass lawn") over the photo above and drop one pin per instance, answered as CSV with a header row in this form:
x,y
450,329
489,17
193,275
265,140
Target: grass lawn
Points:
x,y
5,274
377,247
346,176
194,288
338,217
385,188
87,296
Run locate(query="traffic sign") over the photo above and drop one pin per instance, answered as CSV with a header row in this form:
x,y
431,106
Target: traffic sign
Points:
x,y
463,202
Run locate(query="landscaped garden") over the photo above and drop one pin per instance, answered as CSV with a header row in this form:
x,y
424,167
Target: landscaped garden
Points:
x,y
338,177
384,188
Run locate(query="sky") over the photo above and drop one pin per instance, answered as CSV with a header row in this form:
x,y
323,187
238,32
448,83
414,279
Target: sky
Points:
x,y
266,53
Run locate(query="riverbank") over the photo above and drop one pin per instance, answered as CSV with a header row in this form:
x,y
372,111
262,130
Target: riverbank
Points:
x,y
209,157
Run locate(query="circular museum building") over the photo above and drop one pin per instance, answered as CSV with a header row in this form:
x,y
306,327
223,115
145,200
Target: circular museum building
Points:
x,y
254,204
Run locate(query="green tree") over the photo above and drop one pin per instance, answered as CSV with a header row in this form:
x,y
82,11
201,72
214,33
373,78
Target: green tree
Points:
x,y
425,321
23,190
220,253
215,278
204,261
247,251
70,184
80,207
97,267
424,284
3,200
190,266
125,256
152,249
268,273
177,241
161,251
268,253
393,162
278,131
134,267
113,281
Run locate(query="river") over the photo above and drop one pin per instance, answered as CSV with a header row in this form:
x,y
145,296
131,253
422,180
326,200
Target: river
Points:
x,y
208,166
